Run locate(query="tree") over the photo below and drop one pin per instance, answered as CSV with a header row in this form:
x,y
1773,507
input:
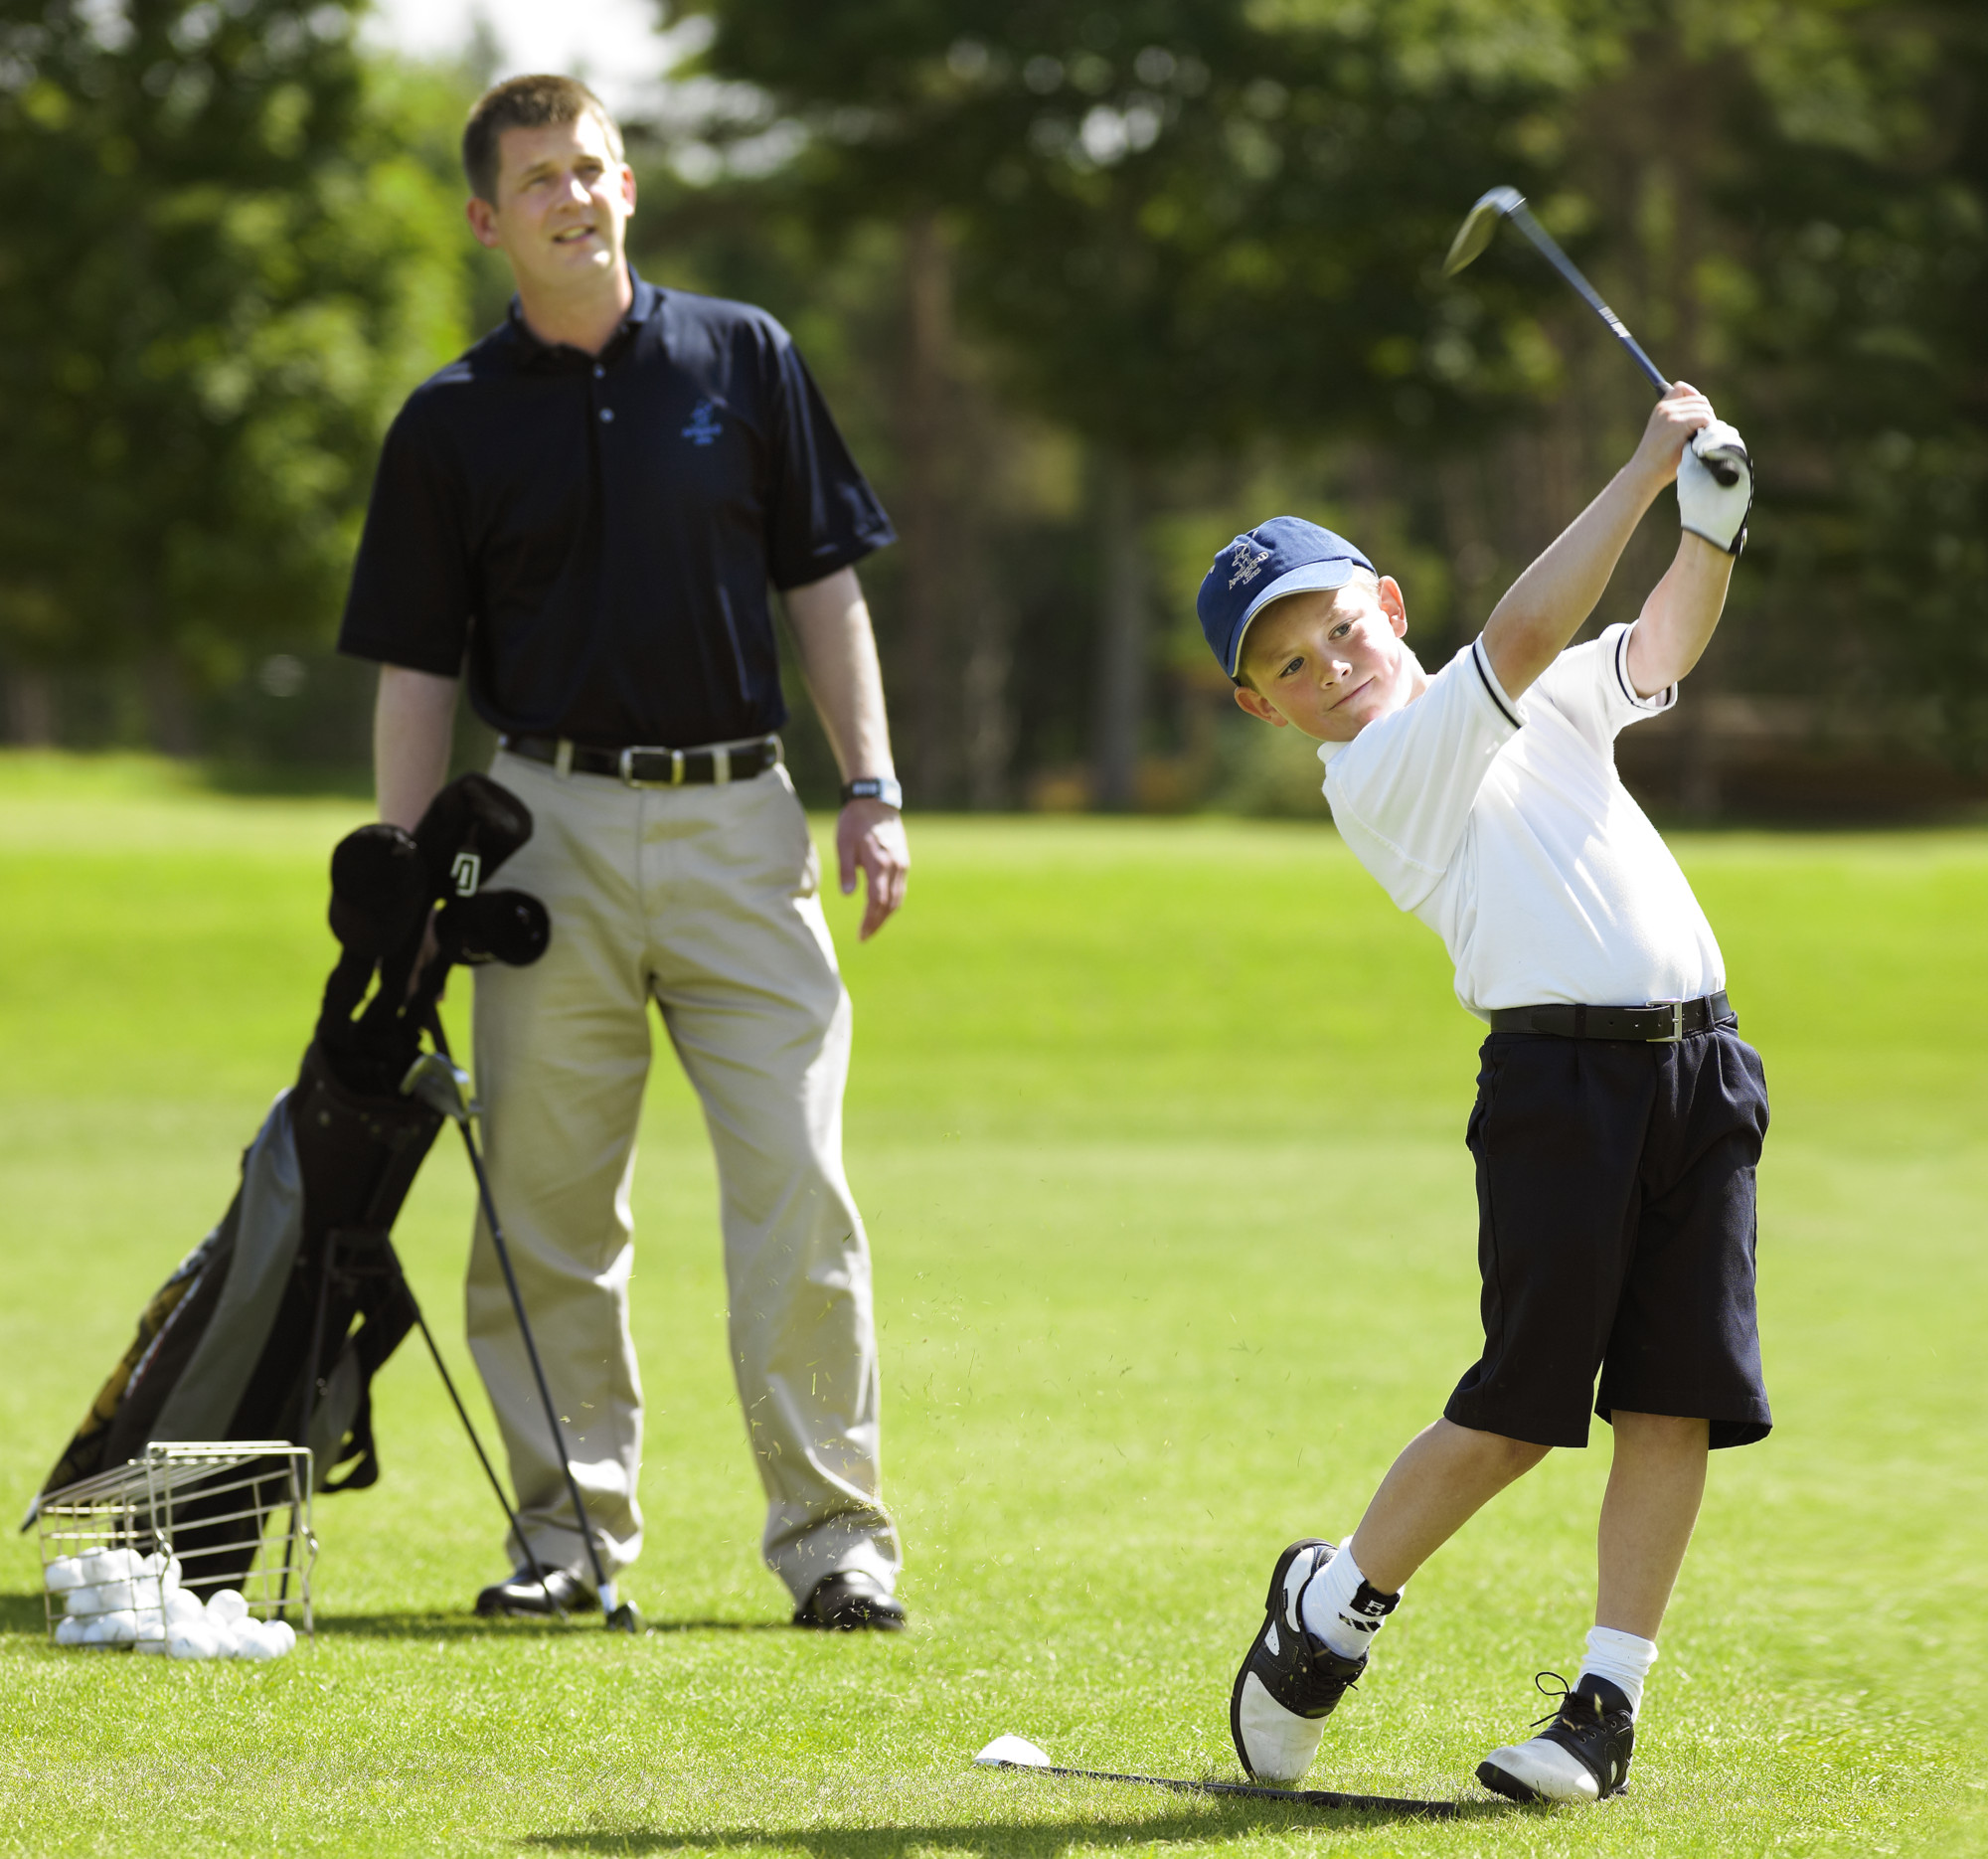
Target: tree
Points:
x,y
230,254
1183,224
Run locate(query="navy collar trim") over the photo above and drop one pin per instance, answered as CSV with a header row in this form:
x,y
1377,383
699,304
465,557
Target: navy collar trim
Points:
x,y
648,299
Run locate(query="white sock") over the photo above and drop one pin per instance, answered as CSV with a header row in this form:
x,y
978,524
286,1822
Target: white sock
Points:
x,y
1622,1659
1341,1607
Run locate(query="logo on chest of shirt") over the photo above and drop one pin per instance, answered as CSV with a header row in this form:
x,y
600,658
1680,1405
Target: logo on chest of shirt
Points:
x,y
704,428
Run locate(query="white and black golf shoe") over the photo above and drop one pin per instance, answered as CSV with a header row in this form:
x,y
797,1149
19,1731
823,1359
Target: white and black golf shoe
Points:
x,y
1290,1680
1582,1754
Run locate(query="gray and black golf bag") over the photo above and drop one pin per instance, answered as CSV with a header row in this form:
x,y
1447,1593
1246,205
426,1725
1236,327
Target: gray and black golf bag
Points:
x,y
273,1327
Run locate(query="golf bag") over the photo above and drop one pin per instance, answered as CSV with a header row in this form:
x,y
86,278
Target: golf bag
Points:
x,y
274,1325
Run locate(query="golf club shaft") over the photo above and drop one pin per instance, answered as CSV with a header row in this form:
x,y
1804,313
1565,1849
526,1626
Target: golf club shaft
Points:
x,y
483,1458
601,1585
1554,255
600,1582
1302,1797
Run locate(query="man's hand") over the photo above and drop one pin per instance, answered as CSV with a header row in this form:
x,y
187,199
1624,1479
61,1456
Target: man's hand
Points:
x,y
870,834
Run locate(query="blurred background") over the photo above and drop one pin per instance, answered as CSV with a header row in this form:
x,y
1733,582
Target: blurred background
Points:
x,y
1091,286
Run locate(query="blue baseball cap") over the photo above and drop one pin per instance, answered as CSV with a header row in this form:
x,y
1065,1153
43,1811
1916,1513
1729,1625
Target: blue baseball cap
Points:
x,y
1284,556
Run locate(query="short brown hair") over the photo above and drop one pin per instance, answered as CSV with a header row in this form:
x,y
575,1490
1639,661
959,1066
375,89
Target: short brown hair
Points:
x,y
535,103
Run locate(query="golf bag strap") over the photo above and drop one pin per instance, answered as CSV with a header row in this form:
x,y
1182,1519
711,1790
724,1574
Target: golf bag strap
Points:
x,y
363,1259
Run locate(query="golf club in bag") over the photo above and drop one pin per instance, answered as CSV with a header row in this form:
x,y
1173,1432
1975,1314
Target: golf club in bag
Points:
x,y
274,1325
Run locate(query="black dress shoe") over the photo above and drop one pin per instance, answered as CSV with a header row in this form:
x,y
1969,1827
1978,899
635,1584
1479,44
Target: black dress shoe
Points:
x,y
849,1601
521,1594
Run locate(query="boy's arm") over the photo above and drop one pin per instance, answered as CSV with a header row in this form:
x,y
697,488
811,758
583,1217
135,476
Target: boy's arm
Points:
x,y
1678,618
1530,625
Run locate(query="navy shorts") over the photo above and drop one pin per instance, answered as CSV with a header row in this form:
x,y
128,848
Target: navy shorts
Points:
x,y
1616,1234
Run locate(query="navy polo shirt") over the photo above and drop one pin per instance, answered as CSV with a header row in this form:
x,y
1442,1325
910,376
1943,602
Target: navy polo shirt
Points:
x,y
592,539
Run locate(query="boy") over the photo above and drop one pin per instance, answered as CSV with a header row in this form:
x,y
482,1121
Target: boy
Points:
x,y
1615,1139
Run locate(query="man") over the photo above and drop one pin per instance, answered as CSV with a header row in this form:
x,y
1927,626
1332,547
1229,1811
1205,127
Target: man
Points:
x,y
583,514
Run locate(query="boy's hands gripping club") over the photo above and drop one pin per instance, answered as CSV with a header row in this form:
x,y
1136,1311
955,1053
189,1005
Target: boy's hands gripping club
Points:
x,y
1715,486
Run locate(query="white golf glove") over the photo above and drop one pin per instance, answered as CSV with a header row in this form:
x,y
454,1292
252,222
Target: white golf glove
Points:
x,y
1715,486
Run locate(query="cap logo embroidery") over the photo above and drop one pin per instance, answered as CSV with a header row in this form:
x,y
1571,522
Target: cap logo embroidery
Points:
x,y
1249,561
704,428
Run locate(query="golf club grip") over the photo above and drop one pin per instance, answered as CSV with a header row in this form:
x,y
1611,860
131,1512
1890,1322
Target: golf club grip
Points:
x,y
1550,249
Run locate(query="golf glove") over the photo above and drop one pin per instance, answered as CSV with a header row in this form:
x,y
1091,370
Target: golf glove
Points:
x,y
1715,486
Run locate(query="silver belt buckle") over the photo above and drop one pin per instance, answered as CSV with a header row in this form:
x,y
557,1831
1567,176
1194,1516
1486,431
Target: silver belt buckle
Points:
x,y
1676,1010
627,768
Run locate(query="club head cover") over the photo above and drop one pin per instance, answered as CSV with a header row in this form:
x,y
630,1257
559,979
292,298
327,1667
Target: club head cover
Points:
x,y
470,828
507,927
379,888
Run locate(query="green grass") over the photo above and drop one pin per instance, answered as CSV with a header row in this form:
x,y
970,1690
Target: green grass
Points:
x,y
1157,1129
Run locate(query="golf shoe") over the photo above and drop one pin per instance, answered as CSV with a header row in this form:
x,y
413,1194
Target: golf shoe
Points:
x,y
1583,1755
1290,1679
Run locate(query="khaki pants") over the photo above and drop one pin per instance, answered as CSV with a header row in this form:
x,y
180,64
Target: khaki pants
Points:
x,y
703,899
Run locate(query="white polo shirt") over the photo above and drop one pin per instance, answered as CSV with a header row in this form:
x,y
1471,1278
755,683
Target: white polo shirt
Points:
x,y
1504,827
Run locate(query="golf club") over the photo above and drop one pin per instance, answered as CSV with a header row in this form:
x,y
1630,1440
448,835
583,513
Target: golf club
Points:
x,y
1507,202
438,1081
1018,1753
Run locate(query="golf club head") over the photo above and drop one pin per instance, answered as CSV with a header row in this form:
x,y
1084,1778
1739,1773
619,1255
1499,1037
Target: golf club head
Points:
x,y
443,1086
1479,224
626,1618
507,927
1012,1753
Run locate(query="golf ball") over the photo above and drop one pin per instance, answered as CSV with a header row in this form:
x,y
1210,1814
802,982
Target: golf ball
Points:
x,y
226,1603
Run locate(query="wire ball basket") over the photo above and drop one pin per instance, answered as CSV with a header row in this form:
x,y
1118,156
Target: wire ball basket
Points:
x,y
200,1548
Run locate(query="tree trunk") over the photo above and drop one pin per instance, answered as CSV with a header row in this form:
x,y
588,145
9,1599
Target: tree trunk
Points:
x,y
989,718
932,568
169,708
1124,620
31,709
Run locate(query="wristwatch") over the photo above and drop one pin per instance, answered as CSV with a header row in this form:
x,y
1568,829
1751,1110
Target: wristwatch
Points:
x,y
874,787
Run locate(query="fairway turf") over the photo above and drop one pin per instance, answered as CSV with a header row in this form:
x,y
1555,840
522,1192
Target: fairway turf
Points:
x,y
1157,1129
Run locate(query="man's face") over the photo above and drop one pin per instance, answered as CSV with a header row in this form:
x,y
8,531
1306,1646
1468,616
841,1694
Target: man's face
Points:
x,y
563,204
1328,663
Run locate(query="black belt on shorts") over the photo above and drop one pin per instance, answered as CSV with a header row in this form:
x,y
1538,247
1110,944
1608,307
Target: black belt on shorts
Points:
x,y
1668,1021
652,768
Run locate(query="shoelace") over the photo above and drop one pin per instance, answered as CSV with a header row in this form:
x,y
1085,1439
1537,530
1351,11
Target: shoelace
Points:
x,y
1561,1697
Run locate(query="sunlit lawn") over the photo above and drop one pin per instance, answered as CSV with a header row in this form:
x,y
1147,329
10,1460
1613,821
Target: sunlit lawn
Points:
x,y
1157,1129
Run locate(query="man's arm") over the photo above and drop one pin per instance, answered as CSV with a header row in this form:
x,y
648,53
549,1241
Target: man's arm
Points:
x,y
413,717
1530,625
838,654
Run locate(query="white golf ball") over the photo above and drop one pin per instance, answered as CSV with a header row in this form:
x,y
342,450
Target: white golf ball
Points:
x,y
226,1603
62,1573
182,1607
281,1634
70,1631
194,1641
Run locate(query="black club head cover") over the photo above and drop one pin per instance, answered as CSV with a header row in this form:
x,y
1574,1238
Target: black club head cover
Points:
x,y
507,927
379,889
470,828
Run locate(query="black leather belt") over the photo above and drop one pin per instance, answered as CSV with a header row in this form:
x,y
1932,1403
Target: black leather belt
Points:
x,y
1667,1021
652,768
